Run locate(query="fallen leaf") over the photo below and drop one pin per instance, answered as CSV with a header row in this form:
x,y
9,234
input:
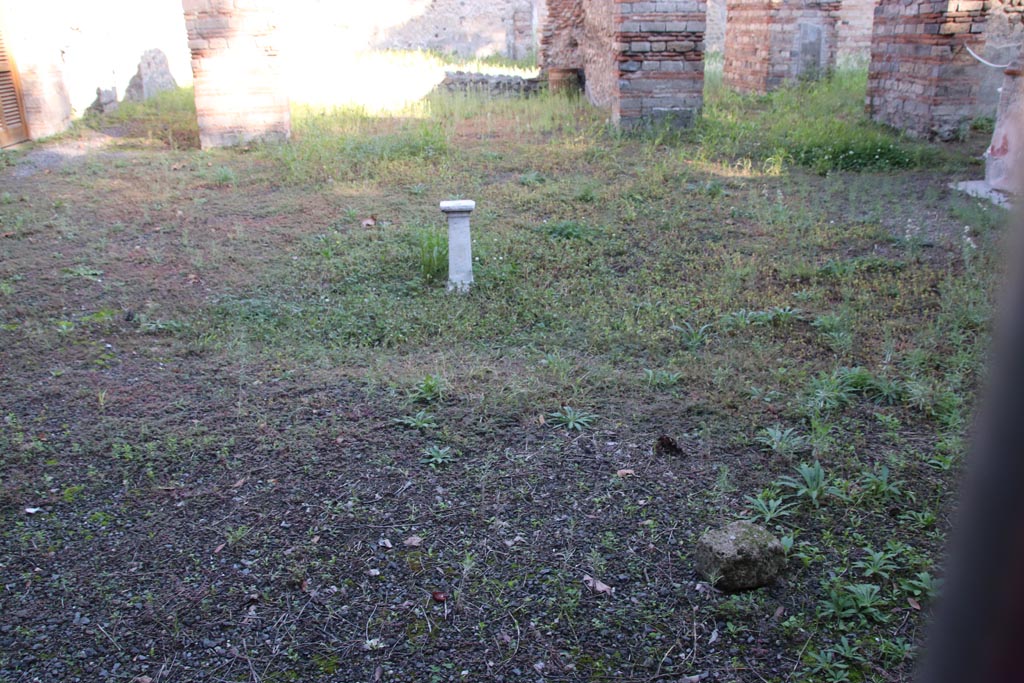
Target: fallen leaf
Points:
x,y
914,603
413,541
626,473
438,596
304,586
378,673
385,543
142,679
219,548
238,484
597,586
369,222
315,539
779,612
713,638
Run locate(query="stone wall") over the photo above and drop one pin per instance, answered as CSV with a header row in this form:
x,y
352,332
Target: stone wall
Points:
x,y
240,95
468,28
772,42
921,79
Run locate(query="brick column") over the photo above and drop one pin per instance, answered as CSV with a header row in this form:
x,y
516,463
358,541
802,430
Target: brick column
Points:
x,y
239,91
772,42
660,47
642,60
922,79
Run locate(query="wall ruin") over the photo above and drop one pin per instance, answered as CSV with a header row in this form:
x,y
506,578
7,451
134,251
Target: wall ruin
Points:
x,y
1004,160
66,49
240,95
921,79
1004,35
769,43
654,71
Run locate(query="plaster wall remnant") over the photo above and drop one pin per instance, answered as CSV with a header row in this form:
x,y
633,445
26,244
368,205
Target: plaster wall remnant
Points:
x,y
238,86
921,79
1004,35
769,43
642,60
1004,160
714,37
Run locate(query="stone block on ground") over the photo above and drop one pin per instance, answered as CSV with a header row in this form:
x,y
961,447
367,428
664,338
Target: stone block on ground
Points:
x,y
740,556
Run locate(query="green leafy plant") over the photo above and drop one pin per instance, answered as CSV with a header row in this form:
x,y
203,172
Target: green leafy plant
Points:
x,y
768,506
436,456
419,420
828,392
812,484
692,337
867,602
876,564
572,419
428,390
782,441
877,484
661,378
433,255
923,585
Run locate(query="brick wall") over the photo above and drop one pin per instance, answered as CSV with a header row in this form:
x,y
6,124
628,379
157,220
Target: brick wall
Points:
x,y
239,91
856,19
661,62
772,42
921,79
643,60
562,35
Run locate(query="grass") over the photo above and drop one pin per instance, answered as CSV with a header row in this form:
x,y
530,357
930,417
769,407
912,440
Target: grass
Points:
x,y
216,359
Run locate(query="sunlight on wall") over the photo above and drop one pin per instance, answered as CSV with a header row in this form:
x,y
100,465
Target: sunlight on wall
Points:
x,y
96,44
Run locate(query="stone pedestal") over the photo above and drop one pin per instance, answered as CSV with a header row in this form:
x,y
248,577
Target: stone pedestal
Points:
x,y
240,95
460,245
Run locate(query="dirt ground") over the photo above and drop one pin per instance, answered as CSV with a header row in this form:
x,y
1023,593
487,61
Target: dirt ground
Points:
x,y
191,491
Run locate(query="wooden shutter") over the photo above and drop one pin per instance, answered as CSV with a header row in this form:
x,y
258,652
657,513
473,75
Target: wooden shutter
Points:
x,y
13,128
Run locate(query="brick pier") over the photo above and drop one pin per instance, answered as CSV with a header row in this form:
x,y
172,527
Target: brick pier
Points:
x,y
239,91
